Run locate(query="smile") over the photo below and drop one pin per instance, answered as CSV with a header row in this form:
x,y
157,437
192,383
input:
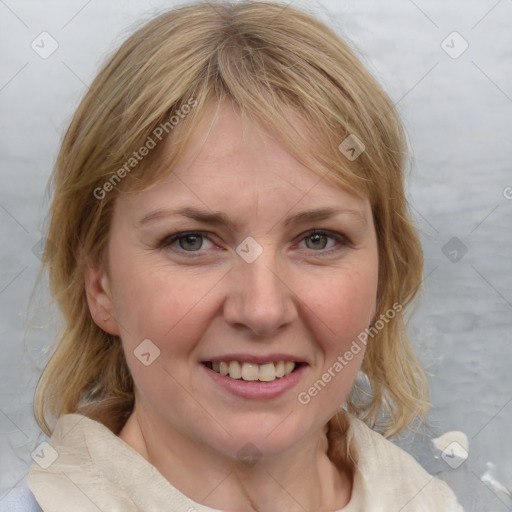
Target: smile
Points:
x,y
266,379
267,372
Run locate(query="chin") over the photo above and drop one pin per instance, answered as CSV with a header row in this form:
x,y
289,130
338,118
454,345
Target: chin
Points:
x,y
256,437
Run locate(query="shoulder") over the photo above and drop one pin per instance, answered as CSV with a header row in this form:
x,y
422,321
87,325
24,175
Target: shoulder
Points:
x,y
386,473
19,499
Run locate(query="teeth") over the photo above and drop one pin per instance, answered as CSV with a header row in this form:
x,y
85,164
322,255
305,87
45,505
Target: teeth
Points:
x,y
223,368
249,371
267,372
235,370
288,367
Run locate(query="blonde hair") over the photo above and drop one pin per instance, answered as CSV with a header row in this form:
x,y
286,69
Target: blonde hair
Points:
x,y
268,59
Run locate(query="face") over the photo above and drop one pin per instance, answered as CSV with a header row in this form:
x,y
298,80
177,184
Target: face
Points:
x,y
244,262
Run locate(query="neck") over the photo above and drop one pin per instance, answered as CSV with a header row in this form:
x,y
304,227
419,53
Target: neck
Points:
x,y
304,478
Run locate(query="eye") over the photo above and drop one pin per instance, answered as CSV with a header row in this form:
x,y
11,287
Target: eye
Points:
x,y
318,241
191,241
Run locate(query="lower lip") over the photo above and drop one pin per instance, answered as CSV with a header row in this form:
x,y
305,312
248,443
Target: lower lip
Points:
x,y
255,389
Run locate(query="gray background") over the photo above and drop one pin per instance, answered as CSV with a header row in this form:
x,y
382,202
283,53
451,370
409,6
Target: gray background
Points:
x,y
458,115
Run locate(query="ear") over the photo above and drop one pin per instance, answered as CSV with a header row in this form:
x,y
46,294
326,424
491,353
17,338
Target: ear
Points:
x,y
99,298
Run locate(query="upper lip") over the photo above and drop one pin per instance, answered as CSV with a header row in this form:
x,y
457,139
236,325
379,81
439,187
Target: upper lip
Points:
x,y
255,358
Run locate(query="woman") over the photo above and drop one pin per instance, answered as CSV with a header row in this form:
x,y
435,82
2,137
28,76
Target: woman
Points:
x,y
230,244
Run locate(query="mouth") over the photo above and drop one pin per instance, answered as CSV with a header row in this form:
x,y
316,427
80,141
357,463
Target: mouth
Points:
x,y
241,370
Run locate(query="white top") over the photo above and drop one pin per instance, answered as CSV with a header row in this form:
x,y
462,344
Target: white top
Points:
x,y
92,469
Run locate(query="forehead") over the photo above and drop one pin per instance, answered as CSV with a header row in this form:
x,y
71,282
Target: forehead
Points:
x,y
228,155
240,170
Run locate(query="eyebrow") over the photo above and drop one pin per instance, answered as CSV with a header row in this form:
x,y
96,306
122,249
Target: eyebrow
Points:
x,y
220,219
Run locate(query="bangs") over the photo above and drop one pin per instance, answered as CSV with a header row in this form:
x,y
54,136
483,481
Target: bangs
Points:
x,y
287,92
310,138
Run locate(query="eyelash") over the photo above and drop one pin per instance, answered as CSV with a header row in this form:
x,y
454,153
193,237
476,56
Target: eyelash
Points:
x,y
168,240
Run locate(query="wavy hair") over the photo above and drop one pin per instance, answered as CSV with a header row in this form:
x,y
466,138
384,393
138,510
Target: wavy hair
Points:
x,y
266,58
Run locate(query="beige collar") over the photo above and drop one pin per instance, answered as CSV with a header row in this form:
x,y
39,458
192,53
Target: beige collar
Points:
x,y
97,471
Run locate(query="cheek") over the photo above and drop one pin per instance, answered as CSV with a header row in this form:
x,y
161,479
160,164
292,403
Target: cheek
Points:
x,y
343,305
171,311
169,308
340,310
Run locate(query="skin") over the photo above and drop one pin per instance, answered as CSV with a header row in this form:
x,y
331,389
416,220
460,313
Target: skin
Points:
x,y
197,301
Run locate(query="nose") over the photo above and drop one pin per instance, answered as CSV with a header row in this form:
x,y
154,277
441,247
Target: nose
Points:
x,y
259,298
